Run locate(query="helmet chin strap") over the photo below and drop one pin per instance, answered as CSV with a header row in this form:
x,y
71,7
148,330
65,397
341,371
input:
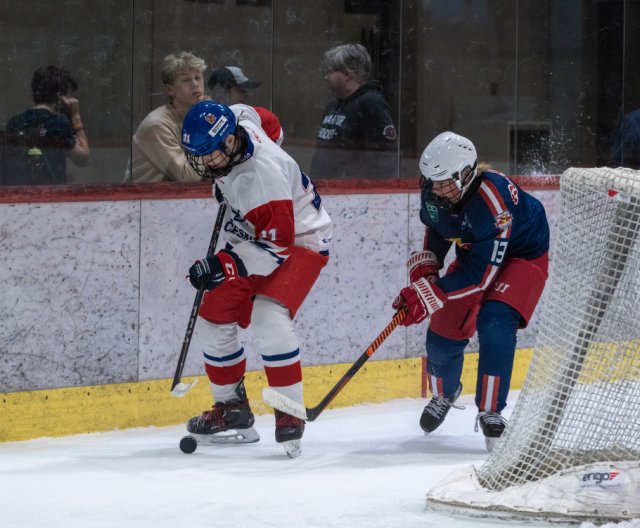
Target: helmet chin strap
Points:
x,y
468,179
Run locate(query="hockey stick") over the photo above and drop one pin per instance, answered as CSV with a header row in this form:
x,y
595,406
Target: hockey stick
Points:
x,y
177,388
279,401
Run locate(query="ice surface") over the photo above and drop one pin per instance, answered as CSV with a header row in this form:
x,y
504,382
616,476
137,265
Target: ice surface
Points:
x,y
366,467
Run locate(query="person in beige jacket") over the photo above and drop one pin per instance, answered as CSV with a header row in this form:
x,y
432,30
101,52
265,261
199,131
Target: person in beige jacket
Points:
x,y
156,153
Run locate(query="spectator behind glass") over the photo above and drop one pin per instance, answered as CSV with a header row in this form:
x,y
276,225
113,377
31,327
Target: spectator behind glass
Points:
x,y
626,148
229,86
156,152
357,138
40,139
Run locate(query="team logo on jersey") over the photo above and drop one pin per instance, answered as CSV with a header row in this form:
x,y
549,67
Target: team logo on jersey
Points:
x,y
432,210
513,191
389,132
466,223
210,118
462,245
504,220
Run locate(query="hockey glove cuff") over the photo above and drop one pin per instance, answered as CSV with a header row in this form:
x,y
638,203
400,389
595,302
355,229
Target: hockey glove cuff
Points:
x,y
422,264
210,272
421,299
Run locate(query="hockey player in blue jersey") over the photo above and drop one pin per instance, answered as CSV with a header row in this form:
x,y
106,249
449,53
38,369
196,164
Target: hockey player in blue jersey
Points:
x,y
501,239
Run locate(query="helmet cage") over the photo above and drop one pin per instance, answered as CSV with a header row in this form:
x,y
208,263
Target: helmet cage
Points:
x,y
205,171
448,200
235,157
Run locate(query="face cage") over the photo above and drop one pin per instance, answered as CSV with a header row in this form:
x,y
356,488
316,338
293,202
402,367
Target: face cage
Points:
x,y
462,183
438,201
204,171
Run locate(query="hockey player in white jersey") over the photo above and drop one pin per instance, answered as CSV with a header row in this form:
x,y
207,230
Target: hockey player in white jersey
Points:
x,y
277,233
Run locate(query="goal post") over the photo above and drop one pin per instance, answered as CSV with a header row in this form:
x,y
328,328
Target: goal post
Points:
x,y
571,451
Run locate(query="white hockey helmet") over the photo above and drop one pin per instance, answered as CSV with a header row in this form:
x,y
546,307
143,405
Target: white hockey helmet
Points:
x,y
450,156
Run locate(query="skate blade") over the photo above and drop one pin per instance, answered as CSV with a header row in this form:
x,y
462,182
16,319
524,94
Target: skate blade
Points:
x,y
490,443
292,448
279,401
182,388
232,436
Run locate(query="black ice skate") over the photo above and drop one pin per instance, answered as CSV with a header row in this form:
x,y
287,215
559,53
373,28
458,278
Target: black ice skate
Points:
x,y
436,411
492,425
289,430
229,422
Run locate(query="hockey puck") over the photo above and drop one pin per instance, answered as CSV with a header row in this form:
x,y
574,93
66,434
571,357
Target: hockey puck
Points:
x,y
188,444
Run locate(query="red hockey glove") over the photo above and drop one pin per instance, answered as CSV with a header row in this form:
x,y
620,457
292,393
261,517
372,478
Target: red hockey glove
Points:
x,y
210,272
422,264
421,299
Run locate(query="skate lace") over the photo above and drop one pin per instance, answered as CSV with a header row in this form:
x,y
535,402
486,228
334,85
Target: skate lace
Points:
x,y
215,415
490,418
218,411
438,406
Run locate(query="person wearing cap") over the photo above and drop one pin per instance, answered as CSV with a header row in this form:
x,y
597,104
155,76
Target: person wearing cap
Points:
x,y
229,85
156,153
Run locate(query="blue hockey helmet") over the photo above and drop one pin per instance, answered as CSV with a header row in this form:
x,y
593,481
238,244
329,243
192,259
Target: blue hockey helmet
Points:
x,y
206,128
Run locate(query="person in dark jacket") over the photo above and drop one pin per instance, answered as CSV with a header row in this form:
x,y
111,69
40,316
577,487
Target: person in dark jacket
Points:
x,y
40,139
626,148
357,137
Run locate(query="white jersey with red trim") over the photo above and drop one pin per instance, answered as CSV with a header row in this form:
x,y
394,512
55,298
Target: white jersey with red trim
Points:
x,y
270,124
272,204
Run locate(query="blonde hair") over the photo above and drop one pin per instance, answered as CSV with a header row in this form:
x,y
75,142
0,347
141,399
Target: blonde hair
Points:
x,y
176,62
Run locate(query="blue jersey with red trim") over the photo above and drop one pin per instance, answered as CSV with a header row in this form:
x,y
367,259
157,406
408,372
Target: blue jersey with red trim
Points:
x,y
497,221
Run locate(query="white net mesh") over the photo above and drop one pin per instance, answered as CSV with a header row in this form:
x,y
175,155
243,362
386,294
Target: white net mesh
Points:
x,y
580,403
581,400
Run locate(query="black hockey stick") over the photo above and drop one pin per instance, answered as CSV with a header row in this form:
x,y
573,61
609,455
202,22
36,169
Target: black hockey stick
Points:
x,y
177,388
279,401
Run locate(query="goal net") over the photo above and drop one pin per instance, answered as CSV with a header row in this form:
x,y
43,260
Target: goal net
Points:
x,y
571,451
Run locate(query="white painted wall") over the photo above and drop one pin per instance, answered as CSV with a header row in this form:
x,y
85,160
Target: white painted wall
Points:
x,y
95,293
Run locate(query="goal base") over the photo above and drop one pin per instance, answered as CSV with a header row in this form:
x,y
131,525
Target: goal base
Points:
x,y
600,493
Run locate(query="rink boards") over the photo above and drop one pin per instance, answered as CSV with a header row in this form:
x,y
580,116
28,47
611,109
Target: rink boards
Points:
x,y
96,304
73,410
